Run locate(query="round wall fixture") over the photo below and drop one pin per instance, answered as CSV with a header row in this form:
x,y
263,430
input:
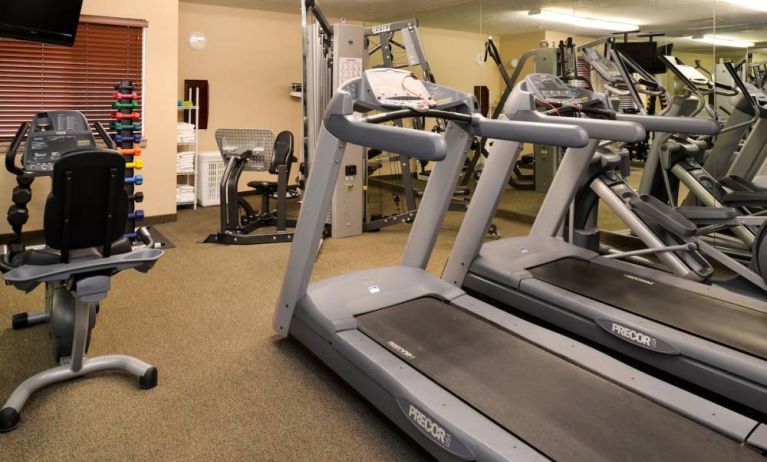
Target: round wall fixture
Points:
x,y
197,40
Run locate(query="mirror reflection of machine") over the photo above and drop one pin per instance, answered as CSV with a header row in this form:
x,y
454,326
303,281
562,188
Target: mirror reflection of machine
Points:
x,y
559,60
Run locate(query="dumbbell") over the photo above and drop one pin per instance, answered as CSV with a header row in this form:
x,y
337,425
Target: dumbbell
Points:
x,y
136,197
121,126
120,115
21,195
124,95
119,105
137,164
129,152
136,138
137,215
137,180
18,215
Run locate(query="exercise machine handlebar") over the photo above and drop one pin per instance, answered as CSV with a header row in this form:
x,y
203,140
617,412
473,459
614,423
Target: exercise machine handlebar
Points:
x,y
10,156
597,129
415,143
681,125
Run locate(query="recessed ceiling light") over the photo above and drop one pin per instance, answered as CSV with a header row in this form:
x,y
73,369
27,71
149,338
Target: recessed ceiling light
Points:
x,y
579,21
724,42
760,5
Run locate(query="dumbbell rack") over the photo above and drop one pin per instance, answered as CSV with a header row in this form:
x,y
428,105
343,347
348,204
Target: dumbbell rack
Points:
x,y
127,135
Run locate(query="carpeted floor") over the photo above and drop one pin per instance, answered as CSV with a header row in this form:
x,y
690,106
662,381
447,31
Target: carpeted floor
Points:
x,y
229,388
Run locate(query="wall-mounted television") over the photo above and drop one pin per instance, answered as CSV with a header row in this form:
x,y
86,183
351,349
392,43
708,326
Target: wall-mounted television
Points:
x,y
643,53
47,21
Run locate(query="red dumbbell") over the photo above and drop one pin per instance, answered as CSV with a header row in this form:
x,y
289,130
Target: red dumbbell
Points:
x,y
124,95
120,115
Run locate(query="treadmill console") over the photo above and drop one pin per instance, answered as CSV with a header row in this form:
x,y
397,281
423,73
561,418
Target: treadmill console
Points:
x,y
396,88
52,134
547,87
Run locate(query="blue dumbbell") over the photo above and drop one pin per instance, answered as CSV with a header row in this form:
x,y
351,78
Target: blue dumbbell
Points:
x,y
136,138
137,180
137,215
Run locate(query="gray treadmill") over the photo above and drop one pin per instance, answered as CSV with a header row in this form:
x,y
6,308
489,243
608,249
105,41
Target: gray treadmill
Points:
x,y
465,380
705,335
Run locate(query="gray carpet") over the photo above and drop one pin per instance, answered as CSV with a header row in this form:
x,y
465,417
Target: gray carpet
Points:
x,y
229,388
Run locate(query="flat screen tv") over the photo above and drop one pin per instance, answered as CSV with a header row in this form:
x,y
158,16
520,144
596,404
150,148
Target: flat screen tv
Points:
x,y
47,21
643,53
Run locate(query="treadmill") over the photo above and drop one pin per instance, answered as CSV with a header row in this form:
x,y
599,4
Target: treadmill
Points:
x,y
463,379
706,335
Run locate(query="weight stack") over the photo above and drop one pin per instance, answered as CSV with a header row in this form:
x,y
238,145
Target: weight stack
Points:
x,y
126,125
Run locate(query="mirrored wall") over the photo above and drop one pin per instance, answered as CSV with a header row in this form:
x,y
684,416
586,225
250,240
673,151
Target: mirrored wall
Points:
x,y
485,46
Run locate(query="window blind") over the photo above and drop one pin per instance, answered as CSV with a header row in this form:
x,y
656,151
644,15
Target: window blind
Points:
x,y
36,77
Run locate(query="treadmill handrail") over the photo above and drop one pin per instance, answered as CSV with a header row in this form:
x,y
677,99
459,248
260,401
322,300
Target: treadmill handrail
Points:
x,y
565,135
597,129
681,125
420,144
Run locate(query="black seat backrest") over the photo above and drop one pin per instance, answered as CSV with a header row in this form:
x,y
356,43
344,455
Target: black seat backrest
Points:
x,y
88,204
283,152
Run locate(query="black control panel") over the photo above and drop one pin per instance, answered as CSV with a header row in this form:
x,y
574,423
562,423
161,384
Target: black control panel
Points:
x,y
52,134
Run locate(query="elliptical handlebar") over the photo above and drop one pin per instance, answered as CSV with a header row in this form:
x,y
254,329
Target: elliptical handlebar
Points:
x,y
10,156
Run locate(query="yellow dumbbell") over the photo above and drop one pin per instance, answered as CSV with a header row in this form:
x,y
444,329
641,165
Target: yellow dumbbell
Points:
x,y
137,164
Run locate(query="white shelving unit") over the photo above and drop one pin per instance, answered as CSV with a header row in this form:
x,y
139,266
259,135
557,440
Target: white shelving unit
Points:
x,y
188,178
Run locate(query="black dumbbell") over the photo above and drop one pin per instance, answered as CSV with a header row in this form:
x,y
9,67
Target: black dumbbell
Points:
x,y
17,216
21,195
136,197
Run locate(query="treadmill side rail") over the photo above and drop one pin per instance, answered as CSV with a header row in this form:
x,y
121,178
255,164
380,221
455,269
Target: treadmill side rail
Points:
x,y
758,438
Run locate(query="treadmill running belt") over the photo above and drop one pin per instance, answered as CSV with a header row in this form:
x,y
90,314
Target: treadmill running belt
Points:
x,y
564,411
725,323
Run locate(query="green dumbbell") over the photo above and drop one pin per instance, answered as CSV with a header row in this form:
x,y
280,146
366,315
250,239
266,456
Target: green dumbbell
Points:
x,y
119,126
119,105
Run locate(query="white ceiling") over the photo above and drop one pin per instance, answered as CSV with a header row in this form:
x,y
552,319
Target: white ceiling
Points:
x,y
678,18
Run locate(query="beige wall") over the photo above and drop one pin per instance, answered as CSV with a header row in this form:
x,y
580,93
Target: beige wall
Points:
x,y
513,46
453,57
250,60
253,56
159,109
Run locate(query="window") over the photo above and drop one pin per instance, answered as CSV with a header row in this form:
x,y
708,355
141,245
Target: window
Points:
x,y
36,77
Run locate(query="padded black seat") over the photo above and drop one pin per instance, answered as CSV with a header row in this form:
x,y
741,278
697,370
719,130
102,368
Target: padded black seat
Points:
x,y
263,186
283,155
